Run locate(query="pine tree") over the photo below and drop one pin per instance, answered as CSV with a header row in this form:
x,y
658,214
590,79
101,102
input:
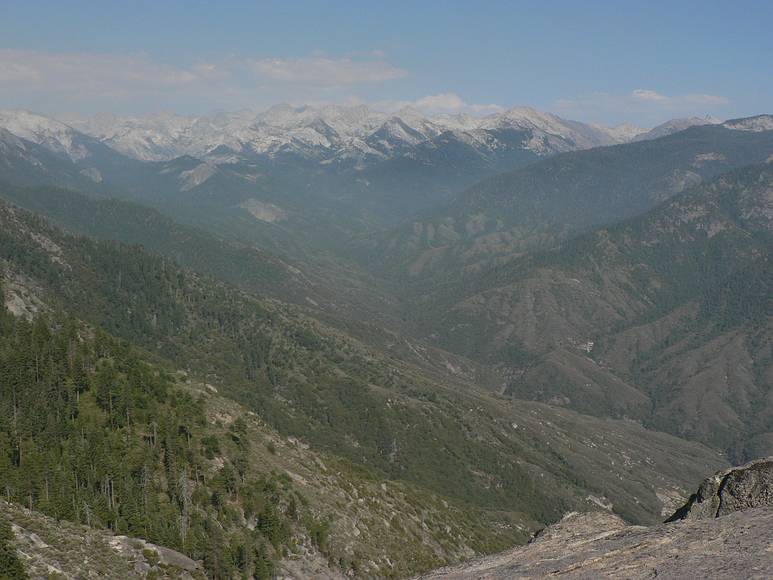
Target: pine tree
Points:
x,y
11,567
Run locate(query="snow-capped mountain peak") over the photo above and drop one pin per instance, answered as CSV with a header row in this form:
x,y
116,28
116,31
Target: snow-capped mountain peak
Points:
x,y
524,117
622,133
41,130
753,124
676,125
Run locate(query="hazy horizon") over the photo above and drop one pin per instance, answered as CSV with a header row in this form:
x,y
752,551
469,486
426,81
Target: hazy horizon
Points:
x,y
638,64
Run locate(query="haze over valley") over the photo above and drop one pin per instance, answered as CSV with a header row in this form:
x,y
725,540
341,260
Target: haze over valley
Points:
x,y
306,312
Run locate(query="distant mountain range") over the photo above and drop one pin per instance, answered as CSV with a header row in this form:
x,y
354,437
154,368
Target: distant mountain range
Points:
x,y
336,134
363,165
330,134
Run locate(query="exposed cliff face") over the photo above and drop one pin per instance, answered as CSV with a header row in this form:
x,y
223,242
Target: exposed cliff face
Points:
x,y
697,543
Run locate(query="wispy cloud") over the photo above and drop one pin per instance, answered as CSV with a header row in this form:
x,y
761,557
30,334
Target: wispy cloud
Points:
x,y
325,71
695,99
228,81
646,104
449,103
13,71
107,74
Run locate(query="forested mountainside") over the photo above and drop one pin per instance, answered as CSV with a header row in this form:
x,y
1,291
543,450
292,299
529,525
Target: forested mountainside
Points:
x,y
510,461
130,223
548,201
344,297
93,432
664,317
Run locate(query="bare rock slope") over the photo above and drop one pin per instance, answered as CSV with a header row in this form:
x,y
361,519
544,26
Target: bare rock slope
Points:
x,y
724,531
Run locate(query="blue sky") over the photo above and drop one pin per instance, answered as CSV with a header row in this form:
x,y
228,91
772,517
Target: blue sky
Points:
x,y
609,62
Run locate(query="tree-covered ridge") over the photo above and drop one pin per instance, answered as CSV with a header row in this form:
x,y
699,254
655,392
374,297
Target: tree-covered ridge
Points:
x,y
325,283
91,433
129,223
314,382
691,244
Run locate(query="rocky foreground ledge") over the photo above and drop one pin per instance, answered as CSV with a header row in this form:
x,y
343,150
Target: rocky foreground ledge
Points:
x,y
724,531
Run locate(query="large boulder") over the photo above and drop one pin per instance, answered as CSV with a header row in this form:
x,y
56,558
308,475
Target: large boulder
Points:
x,y
735,489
